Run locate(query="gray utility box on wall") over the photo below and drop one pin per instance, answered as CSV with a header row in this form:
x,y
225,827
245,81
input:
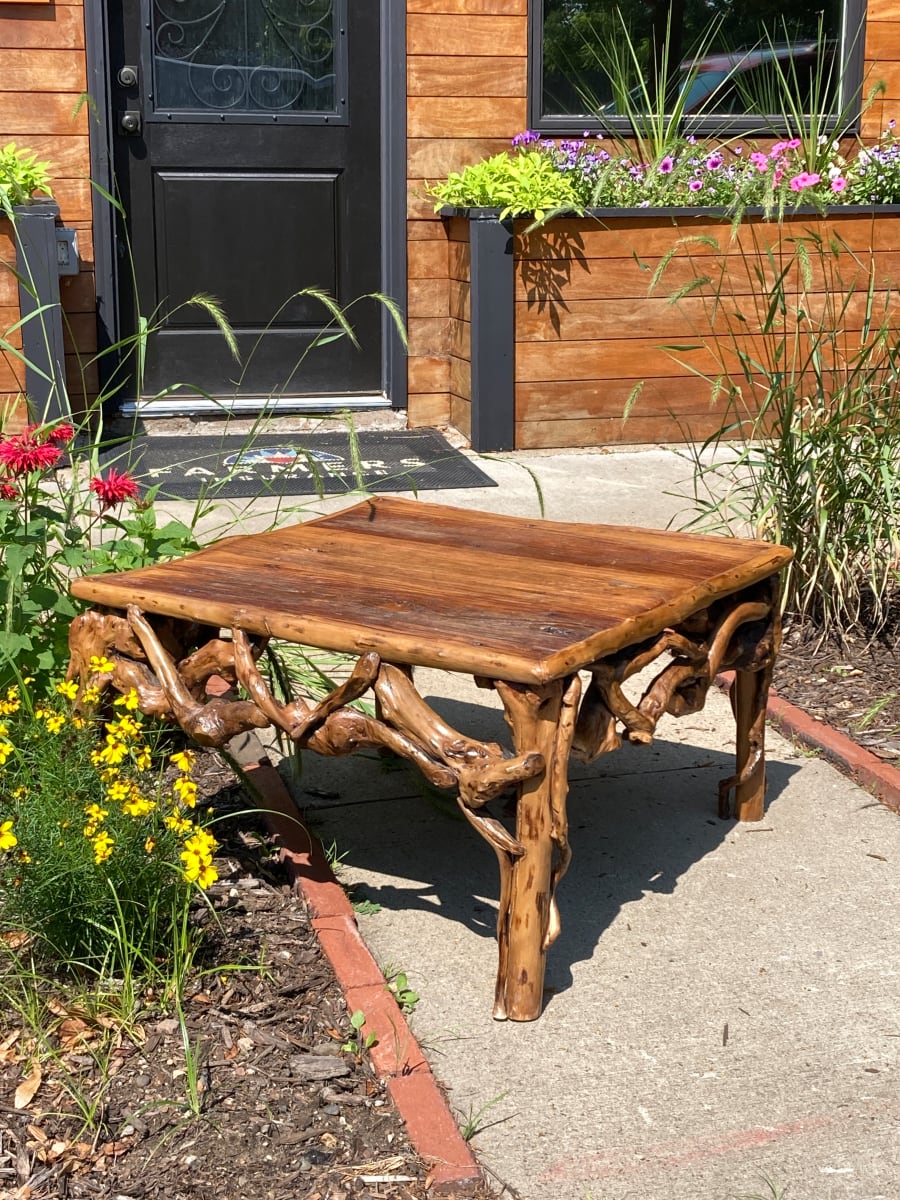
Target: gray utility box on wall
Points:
x,y
43,253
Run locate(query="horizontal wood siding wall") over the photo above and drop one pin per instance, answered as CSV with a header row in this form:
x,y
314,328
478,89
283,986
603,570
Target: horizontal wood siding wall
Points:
x,y
882,63
466,78
588,335
42,77
582,352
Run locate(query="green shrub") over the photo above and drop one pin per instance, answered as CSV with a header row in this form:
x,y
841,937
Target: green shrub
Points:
x,y
98,860
809,380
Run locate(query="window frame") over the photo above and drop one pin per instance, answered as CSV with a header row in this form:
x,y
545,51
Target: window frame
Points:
x,y
711,126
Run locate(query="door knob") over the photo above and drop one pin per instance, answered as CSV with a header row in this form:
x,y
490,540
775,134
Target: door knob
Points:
x,y
130,123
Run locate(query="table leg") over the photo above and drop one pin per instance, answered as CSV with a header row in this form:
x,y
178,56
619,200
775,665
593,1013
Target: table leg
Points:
x,y
541,719
749,694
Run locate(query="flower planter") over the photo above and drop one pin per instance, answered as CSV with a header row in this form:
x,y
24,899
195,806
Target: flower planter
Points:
x,y
553,329
40,308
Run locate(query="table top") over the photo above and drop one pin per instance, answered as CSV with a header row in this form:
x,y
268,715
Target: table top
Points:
x,y
512,598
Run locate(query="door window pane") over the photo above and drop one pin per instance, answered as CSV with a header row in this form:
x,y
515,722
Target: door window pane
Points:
x,y
244,56
725,54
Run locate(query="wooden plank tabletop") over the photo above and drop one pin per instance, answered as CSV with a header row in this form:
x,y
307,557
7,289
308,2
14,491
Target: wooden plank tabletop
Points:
x,y
511,598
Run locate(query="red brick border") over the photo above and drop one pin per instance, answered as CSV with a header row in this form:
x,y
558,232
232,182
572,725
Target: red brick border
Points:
x,y
396,1054
863,767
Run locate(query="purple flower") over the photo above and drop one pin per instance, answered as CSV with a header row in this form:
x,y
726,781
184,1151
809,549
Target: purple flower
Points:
x,y
714,161
526,138
695,185
666,165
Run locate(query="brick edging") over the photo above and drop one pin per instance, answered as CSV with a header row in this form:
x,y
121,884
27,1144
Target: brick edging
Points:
x,y
863,767
395,1055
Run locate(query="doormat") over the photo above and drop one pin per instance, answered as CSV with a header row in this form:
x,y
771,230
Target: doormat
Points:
x,y
305,464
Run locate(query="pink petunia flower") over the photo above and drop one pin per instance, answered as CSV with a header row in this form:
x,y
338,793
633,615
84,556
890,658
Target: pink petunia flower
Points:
x,y
695,185
760,161
838,183
803,180
116,487
666,165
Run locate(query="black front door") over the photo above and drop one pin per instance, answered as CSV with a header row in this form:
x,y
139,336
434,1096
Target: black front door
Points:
x,y
247,159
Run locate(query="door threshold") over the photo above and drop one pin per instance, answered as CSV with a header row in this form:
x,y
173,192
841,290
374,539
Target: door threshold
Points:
x,y
188,406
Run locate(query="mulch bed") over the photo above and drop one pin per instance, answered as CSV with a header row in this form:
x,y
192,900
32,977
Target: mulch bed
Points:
x,y
285,1113
853,686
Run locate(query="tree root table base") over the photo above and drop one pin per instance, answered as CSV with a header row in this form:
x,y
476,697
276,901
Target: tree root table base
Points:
x,y
531,609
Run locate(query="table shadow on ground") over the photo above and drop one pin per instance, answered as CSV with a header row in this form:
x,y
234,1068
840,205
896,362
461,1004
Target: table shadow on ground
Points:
x,y
638,820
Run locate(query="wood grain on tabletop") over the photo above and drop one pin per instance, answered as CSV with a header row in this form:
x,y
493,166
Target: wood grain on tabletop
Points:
x,y
507,597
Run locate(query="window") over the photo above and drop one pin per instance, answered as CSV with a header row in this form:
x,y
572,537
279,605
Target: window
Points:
x,y
722,58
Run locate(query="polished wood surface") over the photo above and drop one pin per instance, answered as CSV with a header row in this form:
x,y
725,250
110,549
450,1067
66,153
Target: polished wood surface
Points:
x,y
426,584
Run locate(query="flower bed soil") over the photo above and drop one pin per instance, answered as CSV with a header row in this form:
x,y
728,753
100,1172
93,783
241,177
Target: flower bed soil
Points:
x,y
284,1112
853,687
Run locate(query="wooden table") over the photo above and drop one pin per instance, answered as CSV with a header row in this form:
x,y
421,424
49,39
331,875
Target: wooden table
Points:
x,y
526,606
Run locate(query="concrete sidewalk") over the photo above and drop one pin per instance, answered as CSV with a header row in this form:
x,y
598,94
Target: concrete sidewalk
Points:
x,y
722,1003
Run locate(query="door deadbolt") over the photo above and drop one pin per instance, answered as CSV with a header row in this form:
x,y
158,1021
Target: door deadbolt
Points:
x,y
130,123
127,76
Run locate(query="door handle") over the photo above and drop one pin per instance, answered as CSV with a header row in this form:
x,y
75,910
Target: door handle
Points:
x,y
130,123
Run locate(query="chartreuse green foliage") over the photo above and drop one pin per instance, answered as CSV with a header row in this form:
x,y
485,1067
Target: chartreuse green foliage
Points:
x,y
98,859
21,175
527,183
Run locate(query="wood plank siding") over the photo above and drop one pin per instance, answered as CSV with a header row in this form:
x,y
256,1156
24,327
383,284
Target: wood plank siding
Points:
x,y
586,332
467,64
42,80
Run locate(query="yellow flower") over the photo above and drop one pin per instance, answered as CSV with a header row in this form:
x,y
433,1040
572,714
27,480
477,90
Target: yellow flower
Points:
x,y
143,759
96,816
207,876
129,700
178,824
103,847
20,793
138,805
7,838
150,845
67,688
91,695
186,791
6,749
126,727
183,760
24,856
78,721
119,791
55,722
112,753
12,703
100,665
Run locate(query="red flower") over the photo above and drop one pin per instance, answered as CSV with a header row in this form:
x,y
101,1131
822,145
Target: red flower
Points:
x,y
25,453
116,487
60,434
8,490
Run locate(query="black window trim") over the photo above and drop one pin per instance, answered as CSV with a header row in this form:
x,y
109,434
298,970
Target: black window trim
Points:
x,y
706,127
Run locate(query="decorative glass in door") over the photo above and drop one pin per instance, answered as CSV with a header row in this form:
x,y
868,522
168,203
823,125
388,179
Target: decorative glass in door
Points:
x,y
245,56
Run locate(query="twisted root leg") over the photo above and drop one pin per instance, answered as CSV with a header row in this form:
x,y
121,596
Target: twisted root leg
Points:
x,y
748,695
534,715
210,724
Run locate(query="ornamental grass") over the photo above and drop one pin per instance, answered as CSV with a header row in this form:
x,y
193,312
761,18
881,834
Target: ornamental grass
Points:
x,y
102,848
